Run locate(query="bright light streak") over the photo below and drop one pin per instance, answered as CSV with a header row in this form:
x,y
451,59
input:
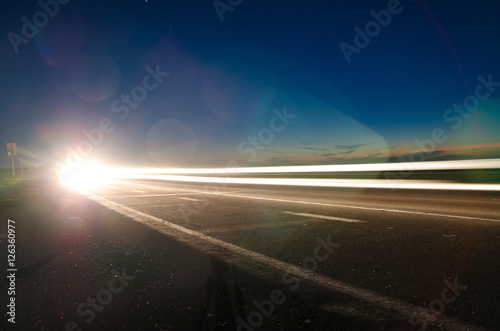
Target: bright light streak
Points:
x,y
88,176
401,166
355,183
92,175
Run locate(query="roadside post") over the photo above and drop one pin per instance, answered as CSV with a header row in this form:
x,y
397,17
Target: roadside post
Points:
x,y
12,151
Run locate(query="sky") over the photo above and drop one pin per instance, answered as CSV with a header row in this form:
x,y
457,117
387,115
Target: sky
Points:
x,y
205,83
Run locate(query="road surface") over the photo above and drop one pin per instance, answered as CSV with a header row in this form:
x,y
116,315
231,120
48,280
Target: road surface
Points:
x,y
420,256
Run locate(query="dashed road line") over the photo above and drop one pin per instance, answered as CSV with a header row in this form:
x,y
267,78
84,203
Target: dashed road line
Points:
x,y
190,199
331,218
150,195
341,206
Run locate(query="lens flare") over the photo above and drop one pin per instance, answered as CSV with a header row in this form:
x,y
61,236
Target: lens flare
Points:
x,y
87,177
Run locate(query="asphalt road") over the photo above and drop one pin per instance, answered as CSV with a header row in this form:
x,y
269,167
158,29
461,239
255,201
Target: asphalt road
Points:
x,y
427,258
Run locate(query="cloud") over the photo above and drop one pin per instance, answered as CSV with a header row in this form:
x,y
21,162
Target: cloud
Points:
x,y
417,156
314,148
280,161
329,146
353,147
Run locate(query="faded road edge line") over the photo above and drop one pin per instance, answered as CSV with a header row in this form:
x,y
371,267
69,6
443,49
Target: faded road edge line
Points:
x,y
337,205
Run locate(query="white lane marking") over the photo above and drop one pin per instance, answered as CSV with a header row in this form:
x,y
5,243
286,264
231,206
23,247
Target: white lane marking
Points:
x,y
150,195
142,196
346,206
138,191
359,207
246,227
190,199
402,307
331,218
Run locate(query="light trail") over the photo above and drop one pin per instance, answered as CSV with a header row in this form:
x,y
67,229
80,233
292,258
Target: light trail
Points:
x,y
223,175
316,182
400,166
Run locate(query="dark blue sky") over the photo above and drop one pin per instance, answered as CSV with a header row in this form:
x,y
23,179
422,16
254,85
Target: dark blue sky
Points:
x,y
268,85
